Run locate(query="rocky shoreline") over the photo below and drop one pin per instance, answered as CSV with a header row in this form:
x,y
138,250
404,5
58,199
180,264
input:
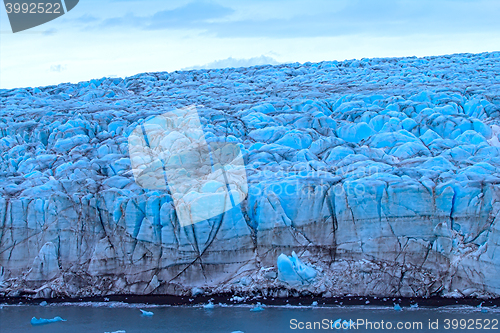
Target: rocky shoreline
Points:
x,y
228,299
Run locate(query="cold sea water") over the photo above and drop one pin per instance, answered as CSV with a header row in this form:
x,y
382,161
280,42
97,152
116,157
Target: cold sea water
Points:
x,y
121,317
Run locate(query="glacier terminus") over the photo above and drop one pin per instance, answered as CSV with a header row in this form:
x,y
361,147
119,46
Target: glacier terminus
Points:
x,y
371,177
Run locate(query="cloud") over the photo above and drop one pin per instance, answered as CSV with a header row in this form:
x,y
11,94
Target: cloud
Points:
x,y
192,15
86,18
381,17
384,18
49,32
57,68
235,63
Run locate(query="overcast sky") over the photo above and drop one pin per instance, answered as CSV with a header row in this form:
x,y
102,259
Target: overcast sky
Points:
x,y
124,37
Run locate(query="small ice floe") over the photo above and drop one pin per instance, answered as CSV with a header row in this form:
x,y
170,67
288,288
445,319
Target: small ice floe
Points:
x,y
43,303
120,331
397,307
347,324
480,308
210,305
146,313
414,306
41,321
315,303
237,332
257,308
343,324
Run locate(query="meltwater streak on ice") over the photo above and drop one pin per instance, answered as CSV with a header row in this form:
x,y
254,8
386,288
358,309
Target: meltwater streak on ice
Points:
x,y
84,319
170,152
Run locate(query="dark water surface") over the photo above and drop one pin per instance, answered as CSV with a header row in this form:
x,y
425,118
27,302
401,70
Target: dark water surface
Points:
x,y
111,317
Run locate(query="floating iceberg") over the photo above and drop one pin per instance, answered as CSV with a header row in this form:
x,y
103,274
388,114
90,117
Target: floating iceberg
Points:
x,y
209,306
146,313
42,321
257,308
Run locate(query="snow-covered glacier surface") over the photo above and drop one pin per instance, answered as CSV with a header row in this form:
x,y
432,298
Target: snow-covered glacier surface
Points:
x,y
381,176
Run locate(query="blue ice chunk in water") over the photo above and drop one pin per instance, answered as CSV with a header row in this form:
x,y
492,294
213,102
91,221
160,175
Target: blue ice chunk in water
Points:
x,y
397,307
347,324
480,308
209,306
146,313
337,323
41,321
257,308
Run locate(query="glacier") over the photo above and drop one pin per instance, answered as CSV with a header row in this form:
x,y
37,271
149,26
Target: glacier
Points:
x,y
380,177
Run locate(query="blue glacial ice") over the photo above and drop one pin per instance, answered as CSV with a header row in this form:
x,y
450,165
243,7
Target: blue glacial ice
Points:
x,y
293,271
209,305
257,308
382,174
145,313
42,321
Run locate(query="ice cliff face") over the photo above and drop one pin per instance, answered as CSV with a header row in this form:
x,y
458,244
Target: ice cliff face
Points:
x,y
382,175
